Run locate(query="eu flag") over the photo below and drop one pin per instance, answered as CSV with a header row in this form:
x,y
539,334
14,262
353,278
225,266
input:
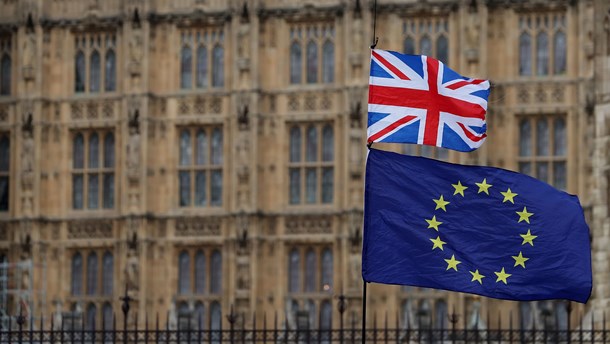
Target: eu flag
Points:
x,y
472,229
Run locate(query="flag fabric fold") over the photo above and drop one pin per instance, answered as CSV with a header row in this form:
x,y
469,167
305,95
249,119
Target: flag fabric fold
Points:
x,y
472,229
417,99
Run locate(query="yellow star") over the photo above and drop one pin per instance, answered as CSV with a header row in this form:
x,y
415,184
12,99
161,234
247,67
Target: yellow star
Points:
x,y
502,276
528,238
459,188
483,186
509,196
440,203
432,223
452,263
520,260
438,243
476,276
524,215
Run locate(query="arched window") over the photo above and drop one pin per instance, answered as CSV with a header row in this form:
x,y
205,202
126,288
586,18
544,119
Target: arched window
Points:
x,y
202,66
200,315
440,316
5,75
202,148
92,274
215,321
407,315
90,317
108,176
78,152
296,61
5,152
107,316
216,273
79,72
78,162
77,274
542,54
200,272
328,62
95,71
425,46
201,158
311,153
409,46
327,184
525,137
559,53
94,149
312,62
310,307
559,133
526,318
109,150
186,68
327,143
107,273
561,314
185,148
217,146
185,160
218,66
184,273
295,144
327,270
525,54
310,271
442,49
110,72
216,174
311,185
294,276
326,318
93,182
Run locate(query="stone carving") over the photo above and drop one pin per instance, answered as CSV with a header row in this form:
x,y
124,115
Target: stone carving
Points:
x,y
197,227
57,317
29,50
172,317
293,103
133,147
136,46
355,114
310,102
89,229
309,225
473,29
241,225
243,276
76,109
27,150
243,120
216,105
4,113
199,107
326,102
132,265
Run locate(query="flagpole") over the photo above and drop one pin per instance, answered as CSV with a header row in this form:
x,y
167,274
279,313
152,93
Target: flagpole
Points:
x,y
375,38
363,311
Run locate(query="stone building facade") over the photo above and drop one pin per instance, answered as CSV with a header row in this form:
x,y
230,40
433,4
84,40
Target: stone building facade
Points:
x,y
209,154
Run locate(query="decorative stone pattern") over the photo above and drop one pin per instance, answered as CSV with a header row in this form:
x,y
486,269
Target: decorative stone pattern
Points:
x,y
198,226
92,110
309,225
90,229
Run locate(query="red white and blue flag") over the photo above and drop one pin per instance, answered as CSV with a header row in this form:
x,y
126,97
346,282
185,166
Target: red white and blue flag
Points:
x,y
417,99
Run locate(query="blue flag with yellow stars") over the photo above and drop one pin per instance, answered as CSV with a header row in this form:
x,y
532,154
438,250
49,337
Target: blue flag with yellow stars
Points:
x,y
472,229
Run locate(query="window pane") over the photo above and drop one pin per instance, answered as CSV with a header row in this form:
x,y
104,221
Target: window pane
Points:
x,y
310,271
294,266
109,150
442,49
560,175
200,188
93,194
90,320
108,190
525,168
5,151
525,138
200,271
295,63
542,54
202,148
216,320
107,274
94,149
186,68
542,137
327,143
310,307
200,315
525,315
110,76
216,190
185,148
202,67
79,72
77,274
218,66
216,273
326,318
184,273
560,49
5,75
311,184
409,46
525,54
4,193
78,152
295,186
107,317
77,191
94,72
295,144
312,62
425,46
328,62
216,146
311,153
327,185
440,317
185,188
542,171
92,274
559,136
327,270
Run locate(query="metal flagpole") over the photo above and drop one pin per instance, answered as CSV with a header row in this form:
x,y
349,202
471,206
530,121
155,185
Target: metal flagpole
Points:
x,y
363,311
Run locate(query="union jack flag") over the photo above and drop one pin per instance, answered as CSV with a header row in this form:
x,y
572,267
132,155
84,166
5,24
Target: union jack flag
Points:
x,y
417,99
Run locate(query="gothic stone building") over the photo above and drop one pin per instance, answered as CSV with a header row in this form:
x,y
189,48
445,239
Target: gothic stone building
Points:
x,y
210,153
